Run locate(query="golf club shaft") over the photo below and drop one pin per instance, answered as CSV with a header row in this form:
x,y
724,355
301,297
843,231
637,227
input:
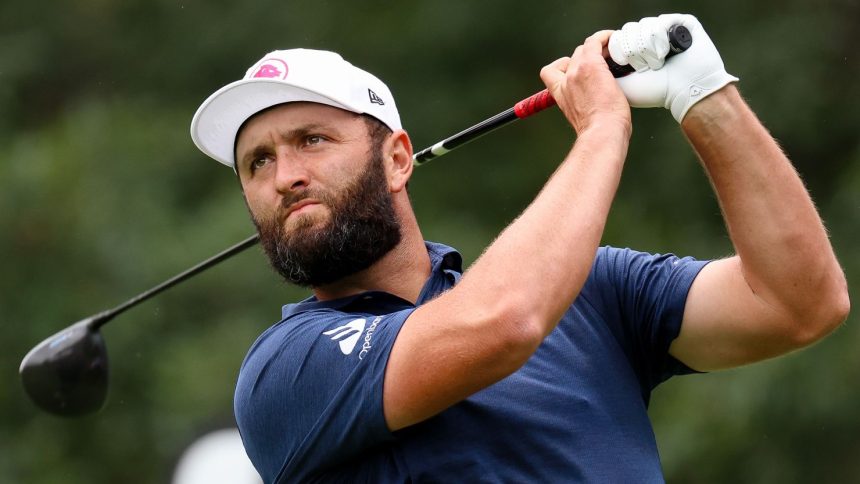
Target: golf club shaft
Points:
x,y
106,316
679,41
533,104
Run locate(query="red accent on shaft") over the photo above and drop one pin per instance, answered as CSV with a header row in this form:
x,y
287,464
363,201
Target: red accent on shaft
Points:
x,y
533,104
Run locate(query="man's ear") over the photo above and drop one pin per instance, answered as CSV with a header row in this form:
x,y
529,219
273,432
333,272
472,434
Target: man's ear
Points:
x,y
398,160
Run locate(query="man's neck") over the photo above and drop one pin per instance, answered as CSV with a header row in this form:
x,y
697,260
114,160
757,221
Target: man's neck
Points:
x,y
402,272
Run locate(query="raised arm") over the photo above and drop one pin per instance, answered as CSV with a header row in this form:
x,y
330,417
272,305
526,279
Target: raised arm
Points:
x,y
784,289
495,318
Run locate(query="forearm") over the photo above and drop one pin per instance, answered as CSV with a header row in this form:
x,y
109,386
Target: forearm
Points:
x,y
514,294
556,237
783,247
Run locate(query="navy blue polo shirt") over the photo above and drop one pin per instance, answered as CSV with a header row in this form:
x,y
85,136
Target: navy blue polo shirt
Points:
x,y
308,400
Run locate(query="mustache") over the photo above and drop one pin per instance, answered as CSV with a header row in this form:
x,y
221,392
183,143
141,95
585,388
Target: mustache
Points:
x,y
291,199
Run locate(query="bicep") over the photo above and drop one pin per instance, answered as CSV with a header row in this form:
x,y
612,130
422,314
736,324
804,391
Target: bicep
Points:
x,y
725,323
446,351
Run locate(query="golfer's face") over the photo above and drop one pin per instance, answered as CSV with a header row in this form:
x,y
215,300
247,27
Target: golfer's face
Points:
x,y
293,160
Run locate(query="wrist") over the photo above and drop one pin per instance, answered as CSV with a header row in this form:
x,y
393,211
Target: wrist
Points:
x,y
608,127
719,107
698,91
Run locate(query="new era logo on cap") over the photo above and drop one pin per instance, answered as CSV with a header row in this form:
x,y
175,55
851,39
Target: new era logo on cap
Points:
x,y
374,98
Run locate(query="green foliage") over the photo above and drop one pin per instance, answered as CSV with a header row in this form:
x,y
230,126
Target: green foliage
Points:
x,y
103,195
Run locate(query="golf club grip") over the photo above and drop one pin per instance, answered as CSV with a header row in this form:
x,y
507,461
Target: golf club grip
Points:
x,y
679,41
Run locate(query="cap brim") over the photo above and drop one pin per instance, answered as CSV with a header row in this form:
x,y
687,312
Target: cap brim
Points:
x,y
216,123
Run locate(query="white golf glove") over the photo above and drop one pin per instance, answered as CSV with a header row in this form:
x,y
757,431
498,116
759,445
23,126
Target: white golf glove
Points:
x,y
684,80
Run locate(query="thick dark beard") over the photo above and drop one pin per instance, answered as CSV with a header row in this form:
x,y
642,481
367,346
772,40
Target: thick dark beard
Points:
x,y
362,229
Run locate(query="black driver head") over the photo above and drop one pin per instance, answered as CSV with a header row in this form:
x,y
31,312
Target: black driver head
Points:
x,y
67,374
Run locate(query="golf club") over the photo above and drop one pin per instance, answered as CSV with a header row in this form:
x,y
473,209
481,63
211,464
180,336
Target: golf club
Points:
x,y
67,373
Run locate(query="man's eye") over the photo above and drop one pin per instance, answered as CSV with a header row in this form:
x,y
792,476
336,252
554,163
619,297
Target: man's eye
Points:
x,y
260,162
313,139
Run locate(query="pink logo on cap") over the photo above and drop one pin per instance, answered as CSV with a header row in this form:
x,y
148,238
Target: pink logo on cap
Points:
x,y
271,69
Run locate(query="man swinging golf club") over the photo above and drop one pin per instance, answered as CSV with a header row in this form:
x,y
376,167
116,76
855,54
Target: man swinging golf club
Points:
x,y
537,363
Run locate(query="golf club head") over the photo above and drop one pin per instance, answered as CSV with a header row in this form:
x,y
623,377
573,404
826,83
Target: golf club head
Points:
x,y
67,374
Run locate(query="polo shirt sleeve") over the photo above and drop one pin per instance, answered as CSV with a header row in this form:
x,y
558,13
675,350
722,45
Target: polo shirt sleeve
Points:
x,y
309,395
644,296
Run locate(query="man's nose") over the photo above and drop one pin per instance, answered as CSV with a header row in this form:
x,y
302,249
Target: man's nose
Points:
x,y
291,174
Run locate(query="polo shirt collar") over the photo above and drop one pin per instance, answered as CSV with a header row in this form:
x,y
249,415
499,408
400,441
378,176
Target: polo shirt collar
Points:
x,y
446,266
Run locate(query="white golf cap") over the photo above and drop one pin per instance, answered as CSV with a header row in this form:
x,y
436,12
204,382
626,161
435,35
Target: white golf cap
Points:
x,y
285,76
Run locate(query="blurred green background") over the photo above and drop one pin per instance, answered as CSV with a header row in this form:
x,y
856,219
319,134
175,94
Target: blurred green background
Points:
x,y
102,194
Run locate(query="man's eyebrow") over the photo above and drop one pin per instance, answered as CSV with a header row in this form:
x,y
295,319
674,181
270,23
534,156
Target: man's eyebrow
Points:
x,y
263,148
303,130
253,154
